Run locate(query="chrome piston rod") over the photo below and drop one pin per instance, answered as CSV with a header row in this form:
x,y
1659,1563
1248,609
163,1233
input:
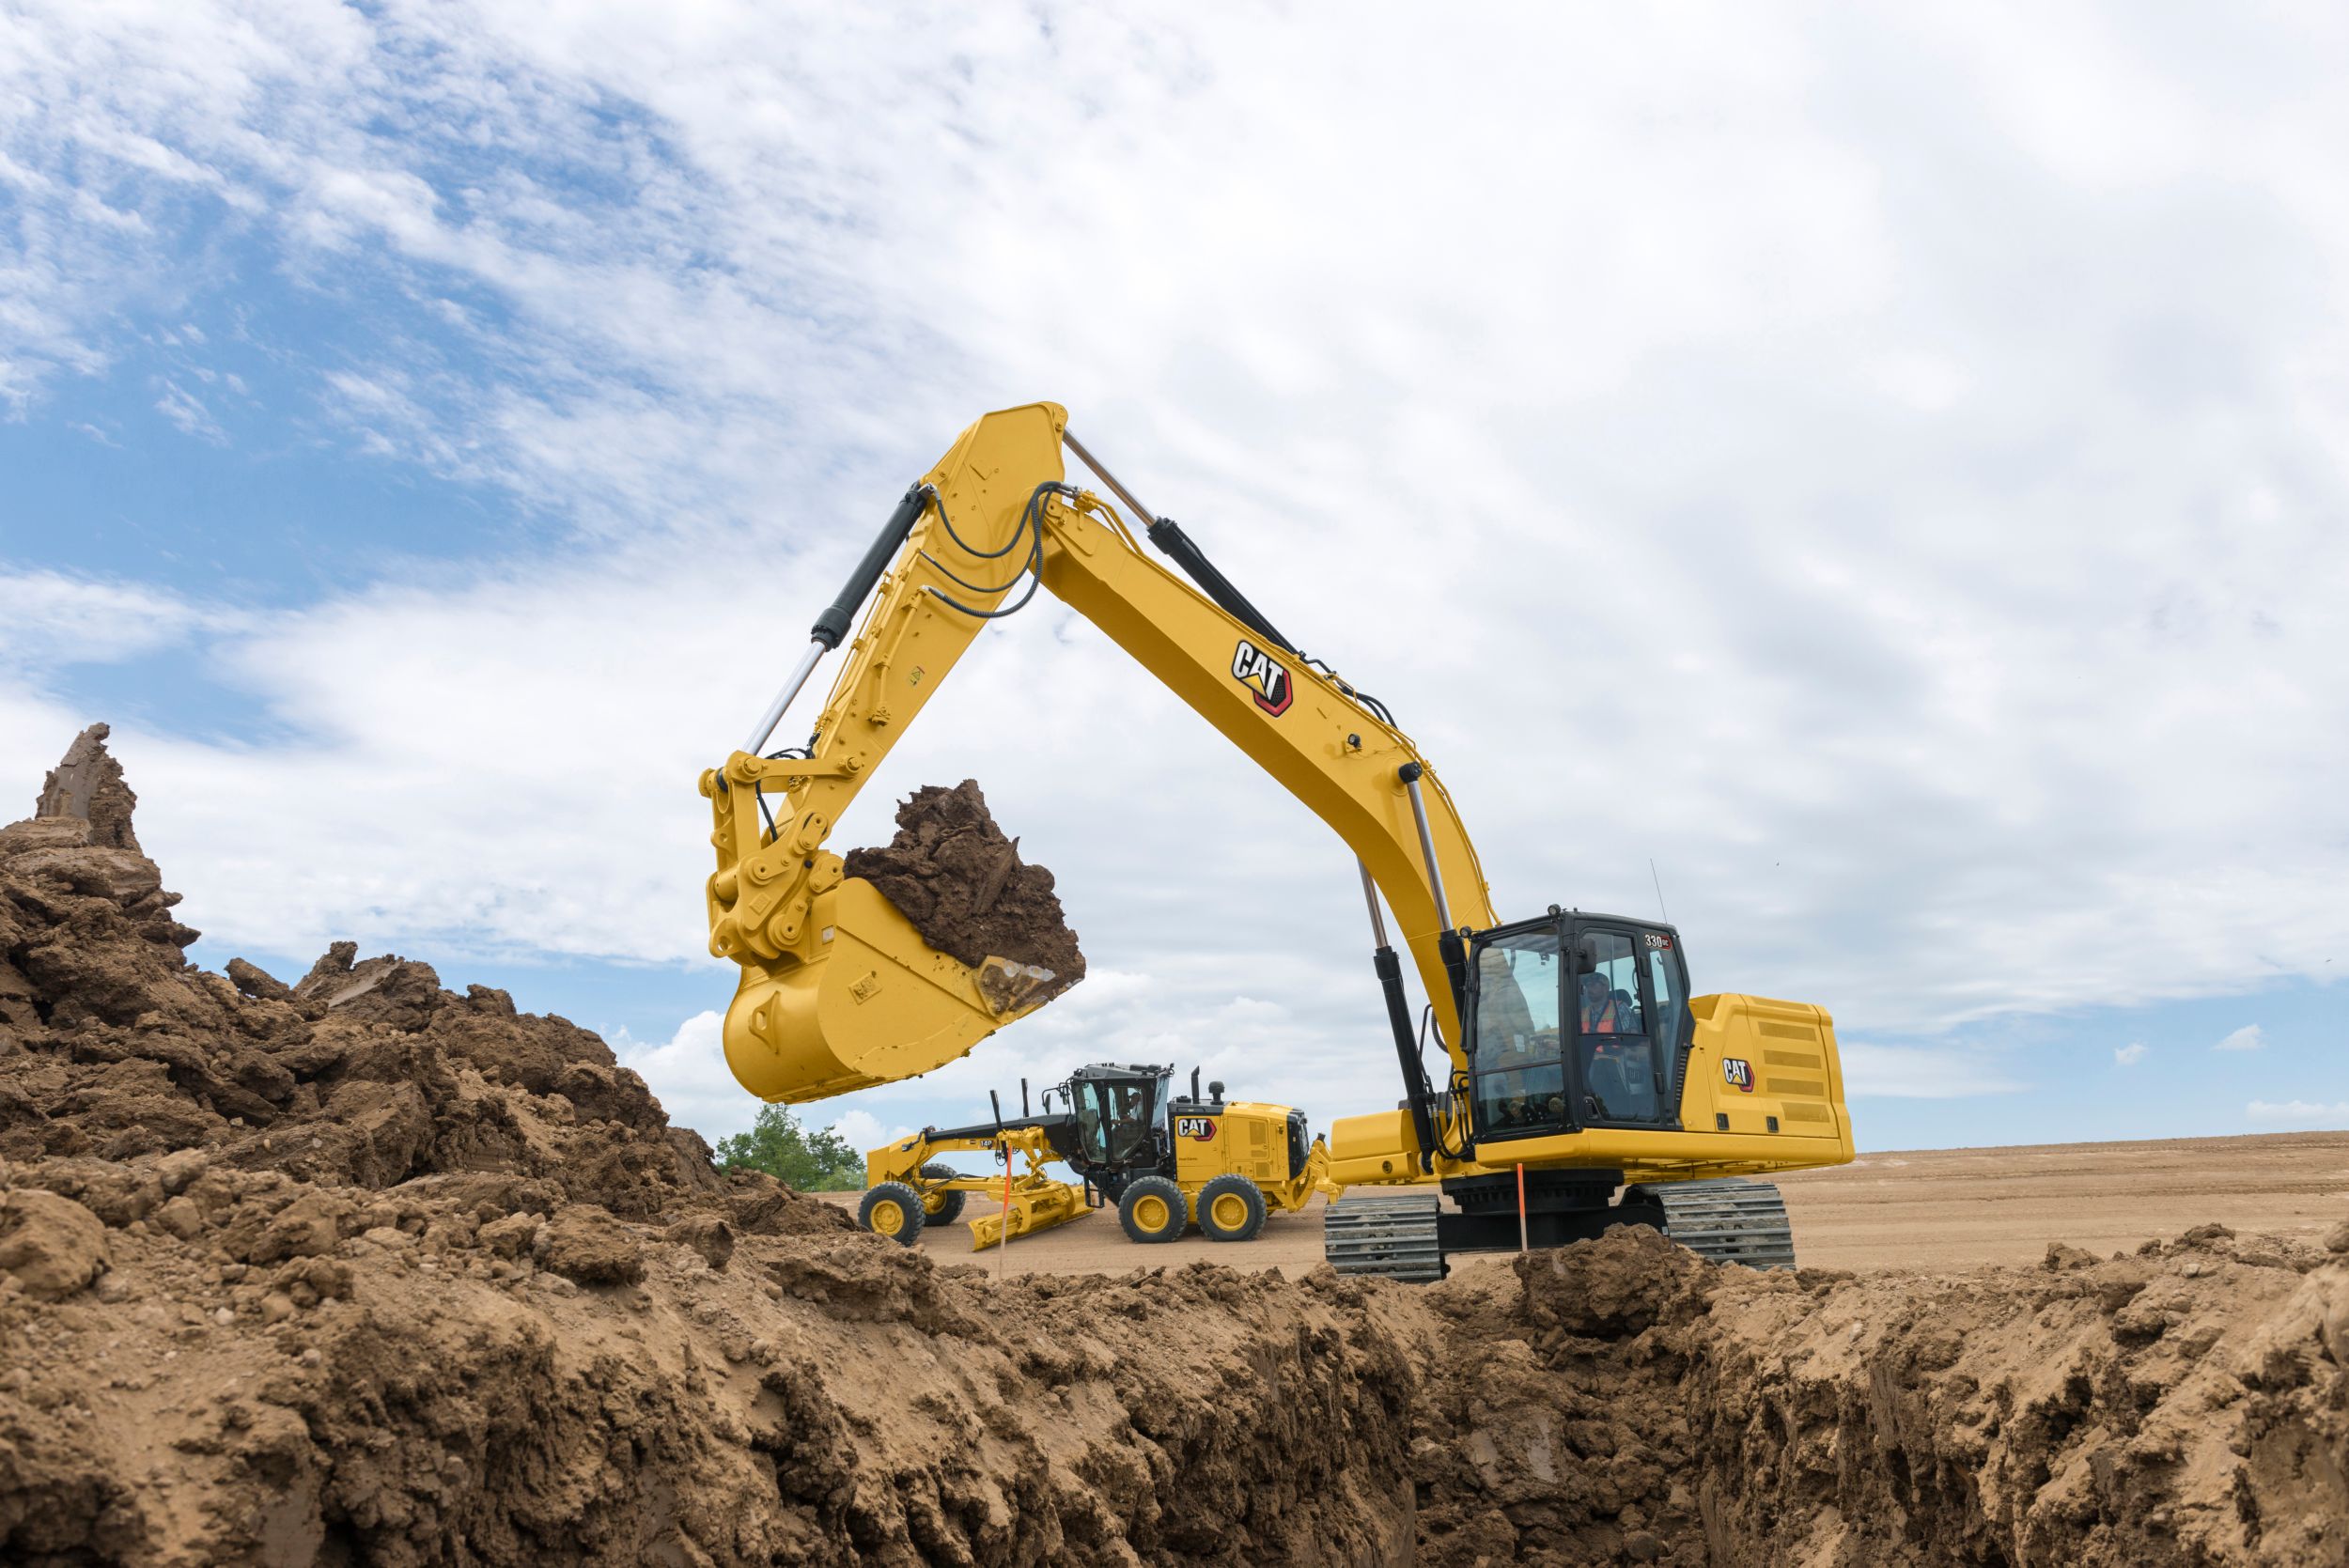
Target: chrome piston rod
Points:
x,y
806,666
1410,772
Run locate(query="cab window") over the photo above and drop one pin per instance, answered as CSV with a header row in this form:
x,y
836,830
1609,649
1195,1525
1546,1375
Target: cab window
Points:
x,y
1520,1065
1665,998
1115,1121
1616,1053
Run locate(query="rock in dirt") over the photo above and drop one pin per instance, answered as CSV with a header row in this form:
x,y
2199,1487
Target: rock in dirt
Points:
x,y
52,1246
585,1243
953,873
706,1234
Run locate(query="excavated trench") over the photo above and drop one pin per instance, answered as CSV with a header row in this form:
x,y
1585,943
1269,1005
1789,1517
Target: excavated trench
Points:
x,y
364,1270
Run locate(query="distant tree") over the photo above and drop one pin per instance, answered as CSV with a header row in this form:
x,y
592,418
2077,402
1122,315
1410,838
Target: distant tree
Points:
x,y
811,1161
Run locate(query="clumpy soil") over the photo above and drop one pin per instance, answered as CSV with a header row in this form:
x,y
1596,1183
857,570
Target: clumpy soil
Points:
x,y
951,871
1620,1401
364,1270
360,1269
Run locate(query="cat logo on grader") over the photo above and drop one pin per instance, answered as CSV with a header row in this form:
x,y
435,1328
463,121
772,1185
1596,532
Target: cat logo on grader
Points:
x,y
1200,1127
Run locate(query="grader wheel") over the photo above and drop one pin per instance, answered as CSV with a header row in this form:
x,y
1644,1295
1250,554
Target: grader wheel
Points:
x,y
1231,1208
1153,1209
892,1210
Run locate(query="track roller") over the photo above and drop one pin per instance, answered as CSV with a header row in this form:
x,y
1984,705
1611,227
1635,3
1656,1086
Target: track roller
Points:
x,y
1727,1220
1394,1237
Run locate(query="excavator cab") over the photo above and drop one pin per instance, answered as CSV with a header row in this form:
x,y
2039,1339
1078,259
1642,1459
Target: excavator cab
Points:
x,y
1576,1021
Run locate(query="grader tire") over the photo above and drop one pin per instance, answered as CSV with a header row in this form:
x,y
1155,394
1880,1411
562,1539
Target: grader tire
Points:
x,y
892,1210
1231,1208
942,1208
1153,1209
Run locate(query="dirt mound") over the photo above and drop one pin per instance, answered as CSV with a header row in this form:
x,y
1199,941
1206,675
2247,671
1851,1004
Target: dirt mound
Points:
x,y
363,1269
1621,1401
364,1075
951,872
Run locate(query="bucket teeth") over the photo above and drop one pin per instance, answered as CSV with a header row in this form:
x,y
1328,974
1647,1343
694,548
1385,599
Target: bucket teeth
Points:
x,y
1009,986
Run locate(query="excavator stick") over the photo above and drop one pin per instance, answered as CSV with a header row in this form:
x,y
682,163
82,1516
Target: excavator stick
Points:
x,y
1037,1203
838,990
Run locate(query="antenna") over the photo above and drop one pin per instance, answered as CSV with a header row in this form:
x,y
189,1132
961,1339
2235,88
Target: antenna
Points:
x,y
1659,891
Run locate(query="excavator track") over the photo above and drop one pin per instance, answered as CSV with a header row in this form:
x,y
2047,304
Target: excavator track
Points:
x,y
1393,1237
1727,1220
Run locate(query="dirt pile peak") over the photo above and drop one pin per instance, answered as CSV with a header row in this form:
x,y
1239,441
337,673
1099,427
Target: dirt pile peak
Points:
x,y
955,874
87,786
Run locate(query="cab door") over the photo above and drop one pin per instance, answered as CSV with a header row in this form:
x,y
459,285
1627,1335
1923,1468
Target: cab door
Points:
x,y
1517,1048
1622,1008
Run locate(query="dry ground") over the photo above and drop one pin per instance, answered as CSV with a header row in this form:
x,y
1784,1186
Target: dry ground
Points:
x,y
1925,1209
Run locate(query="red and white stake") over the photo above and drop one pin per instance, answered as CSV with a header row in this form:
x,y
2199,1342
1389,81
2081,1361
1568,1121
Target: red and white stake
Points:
x,y
1002,1268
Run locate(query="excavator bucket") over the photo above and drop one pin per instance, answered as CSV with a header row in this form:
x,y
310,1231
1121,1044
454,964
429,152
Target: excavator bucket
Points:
x,y
876,1005
1037,1203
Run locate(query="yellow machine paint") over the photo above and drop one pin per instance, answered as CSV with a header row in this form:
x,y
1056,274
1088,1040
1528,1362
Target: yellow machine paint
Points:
x,y
1037,1201
1788,1115
1206,1147
839,993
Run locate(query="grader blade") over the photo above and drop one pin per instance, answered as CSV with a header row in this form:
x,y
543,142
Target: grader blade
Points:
x,y
1035,1205
875,1005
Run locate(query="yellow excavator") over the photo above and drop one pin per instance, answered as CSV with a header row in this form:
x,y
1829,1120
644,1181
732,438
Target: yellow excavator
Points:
x,y
1583,1085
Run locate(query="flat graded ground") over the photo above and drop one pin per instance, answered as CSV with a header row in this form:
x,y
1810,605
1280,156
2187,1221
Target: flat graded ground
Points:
x,y
1951,1208
1925,1209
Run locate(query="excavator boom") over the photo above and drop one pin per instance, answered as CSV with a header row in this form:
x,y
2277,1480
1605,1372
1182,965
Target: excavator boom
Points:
x,y
838,991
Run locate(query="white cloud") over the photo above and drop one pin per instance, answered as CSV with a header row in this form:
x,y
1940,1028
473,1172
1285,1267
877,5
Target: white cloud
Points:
x,y
2249,1037
687,1074
187,410
1953,623
2130,1054
1919,1072
56,619
862,1129
2299,1112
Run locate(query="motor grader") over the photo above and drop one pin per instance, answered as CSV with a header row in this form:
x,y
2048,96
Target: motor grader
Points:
x,y
1583,1085
1166,1162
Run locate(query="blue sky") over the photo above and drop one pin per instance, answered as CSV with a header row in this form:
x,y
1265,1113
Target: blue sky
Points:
x,y
1888,475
